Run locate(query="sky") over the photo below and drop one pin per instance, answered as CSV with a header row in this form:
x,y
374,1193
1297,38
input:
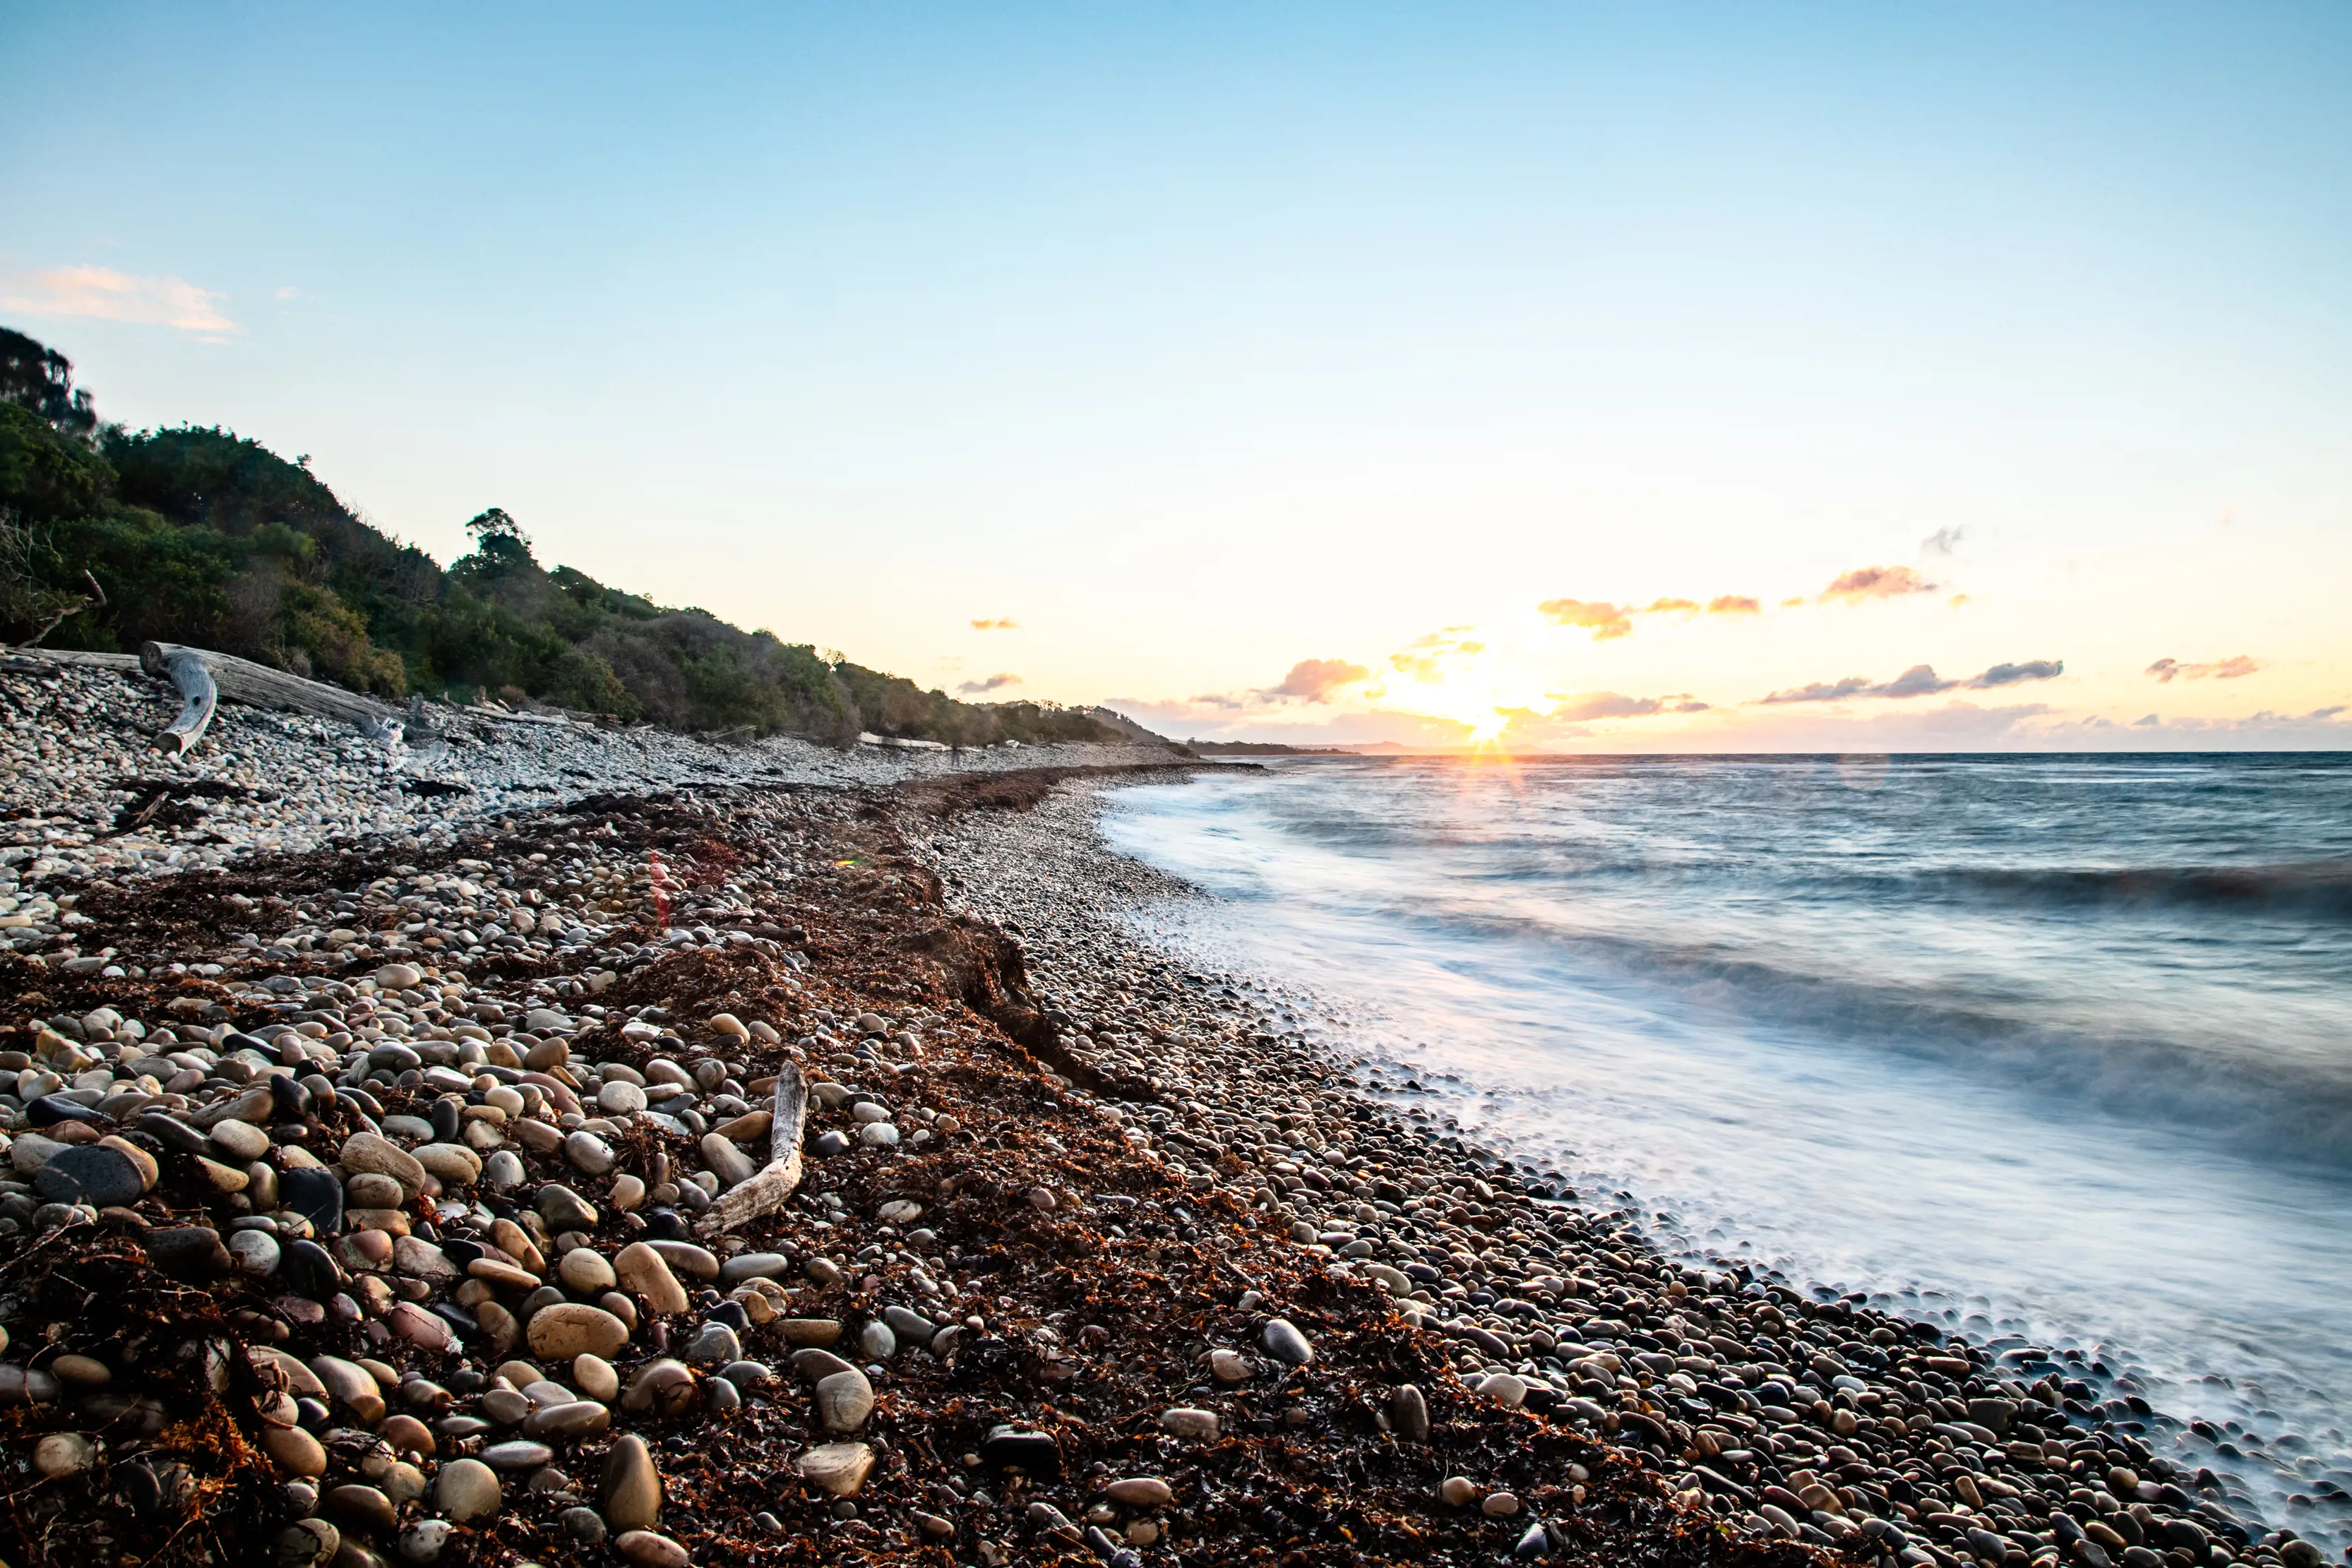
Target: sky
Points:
x,y
1577,376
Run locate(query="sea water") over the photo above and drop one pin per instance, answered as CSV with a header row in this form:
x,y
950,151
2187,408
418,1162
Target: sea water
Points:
x,y
2047,1050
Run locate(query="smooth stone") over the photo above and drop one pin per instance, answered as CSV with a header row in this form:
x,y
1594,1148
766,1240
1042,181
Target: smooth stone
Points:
x,y
730,1165
753,1266
585,1271
294,1451
663,1385
64,1454
1228,1366
876,1342
584,1525
1504,1389
351,1385
370,1152
243,1140
1197,1425
818,1331
569,1329
579,1418
715,1345
502,1170
417,1326
564,1209
840,1469
256,1251
1284,1343
518,1455
747,1374
629,1489
398,977
878,1134
648,1550
1140,1491
91,1174
685,1258
420,1259
588,1153
452,1165
618,1099
814,1364
224,1178
467,1489
596,1377
407,1434
628,1192
1409,1413
899,1212
844,1399
646,1274
364,1506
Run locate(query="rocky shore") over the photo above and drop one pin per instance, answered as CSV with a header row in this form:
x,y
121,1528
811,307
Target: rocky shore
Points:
x,y
390,1194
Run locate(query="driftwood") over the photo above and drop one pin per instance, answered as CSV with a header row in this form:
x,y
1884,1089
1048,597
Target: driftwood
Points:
x,y
199,695
258,685
766,1191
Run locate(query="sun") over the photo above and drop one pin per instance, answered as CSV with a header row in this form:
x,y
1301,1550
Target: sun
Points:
x,y
1482,696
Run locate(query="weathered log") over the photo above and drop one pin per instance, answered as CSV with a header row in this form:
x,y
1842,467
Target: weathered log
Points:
x,y
199,695
258,685
766,1191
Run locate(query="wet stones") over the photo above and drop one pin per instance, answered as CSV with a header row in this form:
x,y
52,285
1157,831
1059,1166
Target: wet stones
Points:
x,y
1409,1413
589,1153
313,1193
564,1209
586,1271
1193,1425
1032,1453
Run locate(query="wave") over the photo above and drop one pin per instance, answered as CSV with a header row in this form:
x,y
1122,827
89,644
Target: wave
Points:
x,y
2321,889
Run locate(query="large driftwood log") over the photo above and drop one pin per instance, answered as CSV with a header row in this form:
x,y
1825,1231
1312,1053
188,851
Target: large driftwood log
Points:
x,y
258,685
199,697
766,1191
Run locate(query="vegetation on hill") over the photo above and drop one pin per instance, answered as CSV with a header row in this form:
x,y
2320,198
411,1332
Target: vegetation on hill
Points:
x,y
110,537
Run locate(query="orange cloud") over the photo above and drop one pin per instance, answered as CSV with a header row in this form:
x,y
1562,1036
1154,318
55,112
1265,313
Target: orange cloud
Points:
x,y
1918,680
1006,625
1604,621
1314,680
1733,605
1671,607
1865,583
992,683
2220,669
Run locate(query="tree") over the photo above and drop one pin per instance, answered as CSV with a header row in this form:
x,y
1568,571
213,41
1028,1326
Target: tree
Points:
x,y
39,378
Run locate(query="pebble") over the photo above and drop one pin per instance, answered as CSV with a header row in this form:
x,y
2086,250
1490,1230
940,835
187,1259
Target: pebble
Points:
x,y
844,1399
564,1209
1198,1426
589,1152
256,1252
1228,1366
242,1140
64,1454
648,1549
188,1252
646,1274
1284,1343
840,1469
572,1328
586,1271
629,1488
518,1455
1140,1491
91,1174
306,1543
467,1489
1456,1492
596,1377
424,1541
373,1152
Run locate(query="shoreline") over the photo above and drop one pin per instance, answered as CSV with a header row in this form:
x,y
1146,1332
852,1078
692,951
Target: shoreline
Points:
x,y
1024,1300
2188,1490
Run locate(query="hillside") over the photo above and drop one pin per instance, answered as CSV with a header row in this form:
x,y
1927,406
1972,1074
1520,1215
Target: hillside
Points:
x,y
110,537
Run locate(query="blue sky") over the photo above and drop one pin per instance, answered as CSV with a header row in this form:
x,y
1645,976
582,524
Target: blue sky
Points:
x,y
1210,344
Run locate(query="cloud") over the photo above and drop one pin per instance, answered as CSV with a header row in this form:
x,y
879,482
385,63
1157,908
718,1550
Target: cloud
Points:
x,y
992,683
1575,707
1943,541
1604,621
1314,680
2233,669
1868,582
2013,674
105,295
1733,605
288,292
1005,625
2147,721
1671,607
1918,680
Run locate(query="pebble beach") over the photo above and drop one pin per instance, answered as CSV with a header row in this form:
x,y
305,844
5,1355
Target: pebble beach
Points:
x,y
388,1131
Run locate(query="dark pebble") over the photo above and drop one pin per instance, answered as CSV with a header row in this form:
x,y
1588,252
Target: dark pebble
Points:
x,y
188,1252
1035,1453
176,1136
315,1195
87,1173
50,1109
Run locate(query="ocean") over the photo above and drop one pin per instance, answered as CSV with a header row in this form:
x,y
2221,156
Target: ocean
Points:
x,y
2051,1050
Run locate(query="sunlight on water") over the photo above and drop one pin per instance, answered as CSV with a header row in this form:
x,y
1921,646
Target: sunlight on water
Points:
x,y
2057,1047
